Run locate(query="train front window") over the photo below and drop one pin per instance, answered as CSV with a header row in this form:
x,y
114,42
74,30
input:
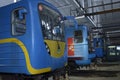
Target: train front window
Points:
x,y
78,38
52,24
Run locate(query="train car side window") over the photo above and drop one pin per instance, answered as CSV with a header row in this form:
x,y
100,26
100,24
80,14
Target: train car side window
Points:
x,y
78,38
19,21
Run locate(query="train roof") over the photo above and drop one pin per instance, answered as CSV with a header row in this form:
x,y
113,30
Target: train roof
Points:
x,y
30,2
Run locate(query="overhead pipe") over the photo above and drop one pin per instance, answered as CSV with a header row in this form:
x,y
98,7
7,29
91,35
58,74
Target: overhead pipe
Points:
x,y
79,5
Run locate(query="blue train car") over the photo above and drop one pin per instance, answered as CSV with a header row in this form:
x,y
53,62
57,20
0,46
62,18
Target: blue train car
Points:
x,y
110,53
99,47
30,38
99,50
113,53
78,46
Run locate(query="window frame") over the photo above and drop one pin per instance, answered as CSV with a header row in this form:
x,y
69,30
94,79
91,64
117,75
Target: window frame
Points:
x,y
13,33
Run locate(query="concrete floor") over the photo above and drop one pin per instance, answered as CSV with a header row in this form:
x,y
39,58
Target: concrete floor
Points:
x,y
116,68
110,68
90,78
93,78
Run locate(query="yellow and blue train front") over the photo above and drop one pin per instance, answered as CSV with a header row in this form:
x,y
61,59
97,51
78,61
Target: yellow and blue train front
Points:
x,y
39,48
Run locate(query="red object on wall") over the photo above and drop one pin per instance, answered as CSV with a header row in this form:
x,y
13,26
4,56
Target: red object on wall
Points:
x,y
70,46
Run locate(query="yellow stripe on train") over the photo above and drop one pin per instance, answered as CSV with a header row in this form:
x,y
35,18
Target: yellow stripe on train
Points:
x,y
24,49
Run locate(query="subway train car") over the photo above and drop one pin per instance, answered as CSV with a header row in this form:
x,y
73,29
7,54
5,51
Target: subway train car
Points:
x,y
98,44
30,39
78,45
106,53
113,53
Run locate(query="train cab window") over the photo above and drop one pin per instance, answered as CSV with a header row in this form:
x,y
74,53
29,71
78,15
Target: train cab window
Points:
x,y
78,38
18,21
51,23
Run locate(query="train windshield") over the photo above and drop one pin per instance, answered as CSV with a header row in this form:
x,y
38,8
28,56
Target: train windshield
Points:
x,y
78,38
52,24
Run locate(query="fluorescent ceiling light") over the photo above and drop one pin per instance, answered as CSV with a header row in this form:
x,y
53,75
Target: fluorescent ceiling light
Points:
x,y
118,47
15,1
79,17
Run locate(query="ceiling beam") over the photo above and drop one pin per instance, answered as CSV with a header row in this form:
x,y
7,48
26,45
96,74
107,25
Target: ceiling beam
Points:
x,y
111,29
109,22
65,6
103,12
110,26
103,5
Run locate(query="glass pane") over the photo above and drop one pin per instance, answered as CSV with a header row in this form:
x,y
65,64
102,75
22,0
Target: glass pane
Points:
x,y
78,38
52,24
